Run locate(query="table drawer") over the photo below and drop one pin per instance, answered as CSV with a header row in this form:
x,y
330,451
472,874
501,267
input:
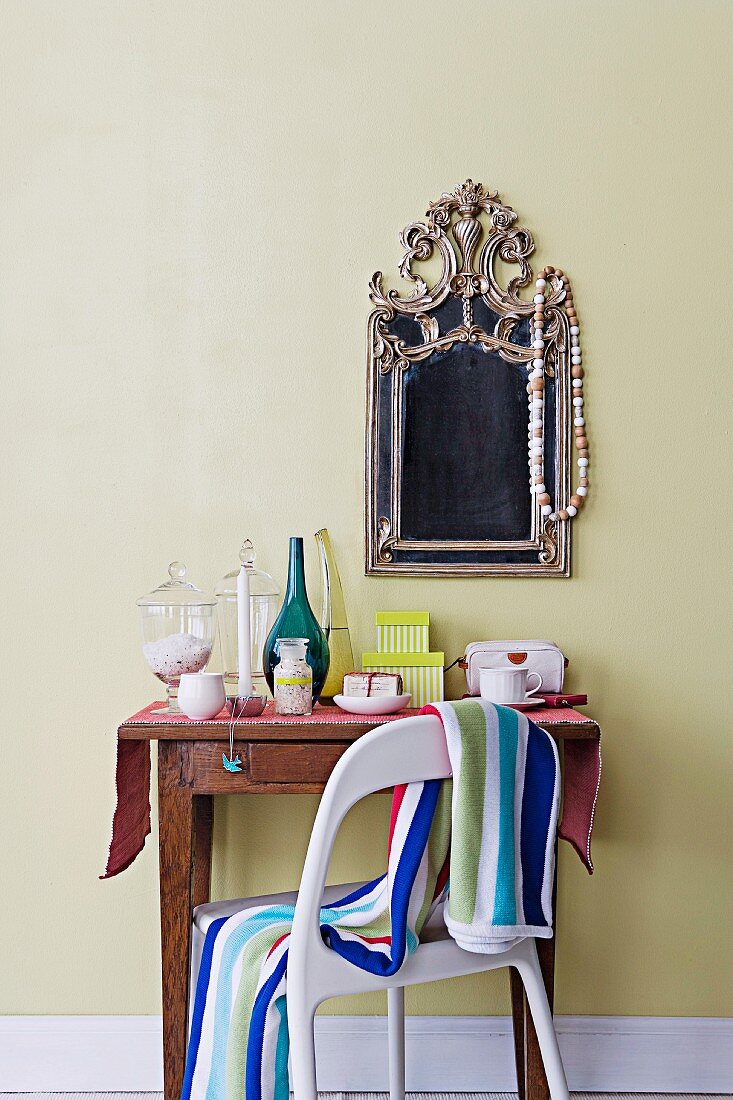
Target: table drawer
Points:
x,y
291,763
264,764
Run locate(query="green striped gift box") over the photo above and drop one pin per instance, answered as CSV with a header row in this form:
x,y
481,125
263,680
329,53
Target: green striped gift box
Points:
x,y
403,631
422,673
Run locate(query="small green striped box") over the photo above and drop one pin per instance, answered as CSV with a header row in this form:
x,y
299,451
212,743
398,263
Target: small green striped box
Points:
x,y
422,673
403,631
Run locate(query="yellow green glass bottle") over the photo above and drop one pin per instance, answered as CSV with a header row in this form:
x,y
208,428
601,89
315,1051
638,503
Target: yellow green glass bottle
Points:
x,y
333,620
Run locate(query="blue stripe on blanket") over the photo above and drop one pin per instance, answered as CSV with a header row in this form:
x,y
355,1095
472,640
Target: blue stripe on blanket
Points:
x,y
361,954
539,789
253,1072
360,892
282,1086
235,942
505,902
199,1004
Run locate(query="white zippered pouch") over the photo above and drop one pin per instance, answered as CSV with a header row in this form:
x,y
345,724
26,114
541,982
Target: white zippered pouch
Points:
x,y
542,657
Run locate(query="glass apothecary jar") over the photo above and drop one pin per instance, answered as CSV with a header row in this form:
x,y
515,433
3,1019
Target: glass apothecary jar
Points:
x,y
179,625
264,599
293,678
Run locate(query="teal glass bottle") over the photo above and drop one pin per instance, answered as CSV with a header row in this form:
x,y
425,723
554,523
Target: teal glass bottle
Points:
x,y
296,620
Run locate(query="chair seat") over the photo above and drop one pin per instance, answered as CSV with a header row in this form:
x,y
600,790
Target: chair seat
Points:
x,y
440,956
204,915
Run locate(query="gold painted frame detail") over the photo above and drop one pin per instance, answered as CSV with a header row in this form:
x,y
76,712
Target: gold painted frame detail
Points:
x,y
471,215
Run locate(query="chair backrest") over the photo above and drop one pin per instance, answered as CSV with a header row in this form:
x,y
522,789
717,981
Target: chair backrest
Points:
x,y
405,751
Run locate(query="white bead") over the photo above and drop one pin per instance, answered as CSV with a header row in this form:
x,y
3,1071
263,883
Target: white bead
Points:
x,y
578,402
581,491
576,358
541,284
536,417
554,515
537,372
538,364
574,330
537,400
539,299
536,449
539,488
536,471
538,343
571,510
574,341
578,421
577,383
546,509
582,462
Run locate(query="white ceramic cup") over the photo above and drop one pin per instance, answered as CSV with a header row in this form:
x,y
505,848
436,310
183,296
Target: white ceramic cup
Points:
x,y
507,685
201,695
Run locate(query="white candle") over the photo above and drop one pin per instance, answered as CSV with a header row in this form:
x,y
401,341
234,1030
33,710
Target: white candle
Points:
x,y
244,644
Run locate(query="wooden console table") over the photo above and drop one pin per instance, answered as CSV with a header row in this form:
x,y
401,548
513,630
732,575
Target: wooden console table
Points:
x,y
277,758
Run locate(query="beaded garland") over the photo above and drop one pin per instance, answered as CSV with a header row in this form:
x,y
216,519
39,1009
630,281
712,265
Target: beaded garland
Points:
x,y
536,392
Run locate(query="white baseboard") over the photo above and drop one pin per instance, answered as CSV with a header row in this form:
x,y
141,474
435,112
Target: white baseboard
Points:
x,y
444,1053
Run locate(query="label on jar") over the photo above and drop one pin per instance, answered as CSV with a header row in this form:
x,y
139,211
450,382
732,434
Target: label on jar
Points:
x,y
286,681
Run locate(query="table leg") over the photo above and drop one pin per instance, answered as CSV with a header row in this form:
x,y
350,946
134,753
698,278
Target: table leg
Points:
x,y
203,825
176,853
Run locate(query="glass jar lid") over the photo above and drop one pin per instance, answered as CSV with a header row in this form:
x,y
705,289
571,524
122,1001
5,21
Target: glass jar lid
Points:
x,y
260,583
176,591
293,648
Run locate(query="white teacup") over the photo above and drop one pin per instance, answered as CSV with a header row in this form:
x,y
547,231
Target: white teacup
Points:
x,y
201,695
507,685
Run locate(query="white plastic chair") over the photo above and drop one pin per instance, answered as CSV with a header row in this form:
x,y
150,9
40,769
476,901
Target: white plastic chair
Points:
x,y
408,750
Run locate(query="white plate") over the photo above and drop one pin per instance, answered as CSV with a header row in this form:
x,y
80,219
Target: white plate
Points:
x,y
527,704
372,704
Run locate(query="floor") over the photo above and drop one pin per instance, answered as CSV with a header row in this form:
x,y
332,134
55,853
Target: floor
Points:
x,y
374,1096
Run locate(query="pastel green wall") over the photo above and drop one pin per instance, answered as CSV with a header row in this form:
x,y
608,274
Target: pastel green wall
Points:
x,y
193,197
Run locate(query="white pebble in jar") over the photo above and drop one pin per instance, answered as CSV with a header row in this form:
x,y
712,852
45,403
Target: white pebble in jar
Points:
x,y
293,678
176,654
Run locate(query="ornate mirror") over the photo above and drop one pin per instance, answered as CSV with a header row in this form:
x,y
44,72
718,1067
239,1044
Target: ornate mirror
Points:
x,y
455,373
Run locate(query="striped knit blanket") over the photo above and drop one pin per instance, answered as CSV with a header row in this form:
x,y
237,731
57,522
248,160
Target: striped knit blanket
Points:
x,y
491,829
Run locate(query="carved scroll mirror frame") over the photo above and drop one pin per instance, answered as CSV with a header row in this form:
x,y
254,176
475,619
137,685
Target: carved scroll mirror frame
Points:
x,y
467,231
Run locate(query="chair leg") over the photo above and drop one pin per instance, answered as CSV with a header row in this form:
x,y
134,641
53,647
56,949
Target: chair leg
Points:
x,y
302,1053
396,1036
529,968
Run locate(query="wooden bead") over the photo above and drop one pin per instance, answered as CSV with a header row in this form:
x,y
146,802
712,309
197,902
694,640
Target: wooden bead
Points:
x,y
581,443
544,498
558,272
584,482
576,501
583,451
537,432
538,479
563,514
549,270
537,384
577,371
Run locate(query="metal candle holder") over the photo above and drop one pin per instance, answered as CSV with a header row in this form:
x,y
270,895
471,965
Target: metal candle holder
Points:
x,y
245,706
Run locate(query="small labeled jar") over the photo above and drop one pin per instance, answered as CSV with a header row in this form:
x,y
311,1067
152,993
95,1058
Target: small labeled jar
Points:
x,y
293,678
